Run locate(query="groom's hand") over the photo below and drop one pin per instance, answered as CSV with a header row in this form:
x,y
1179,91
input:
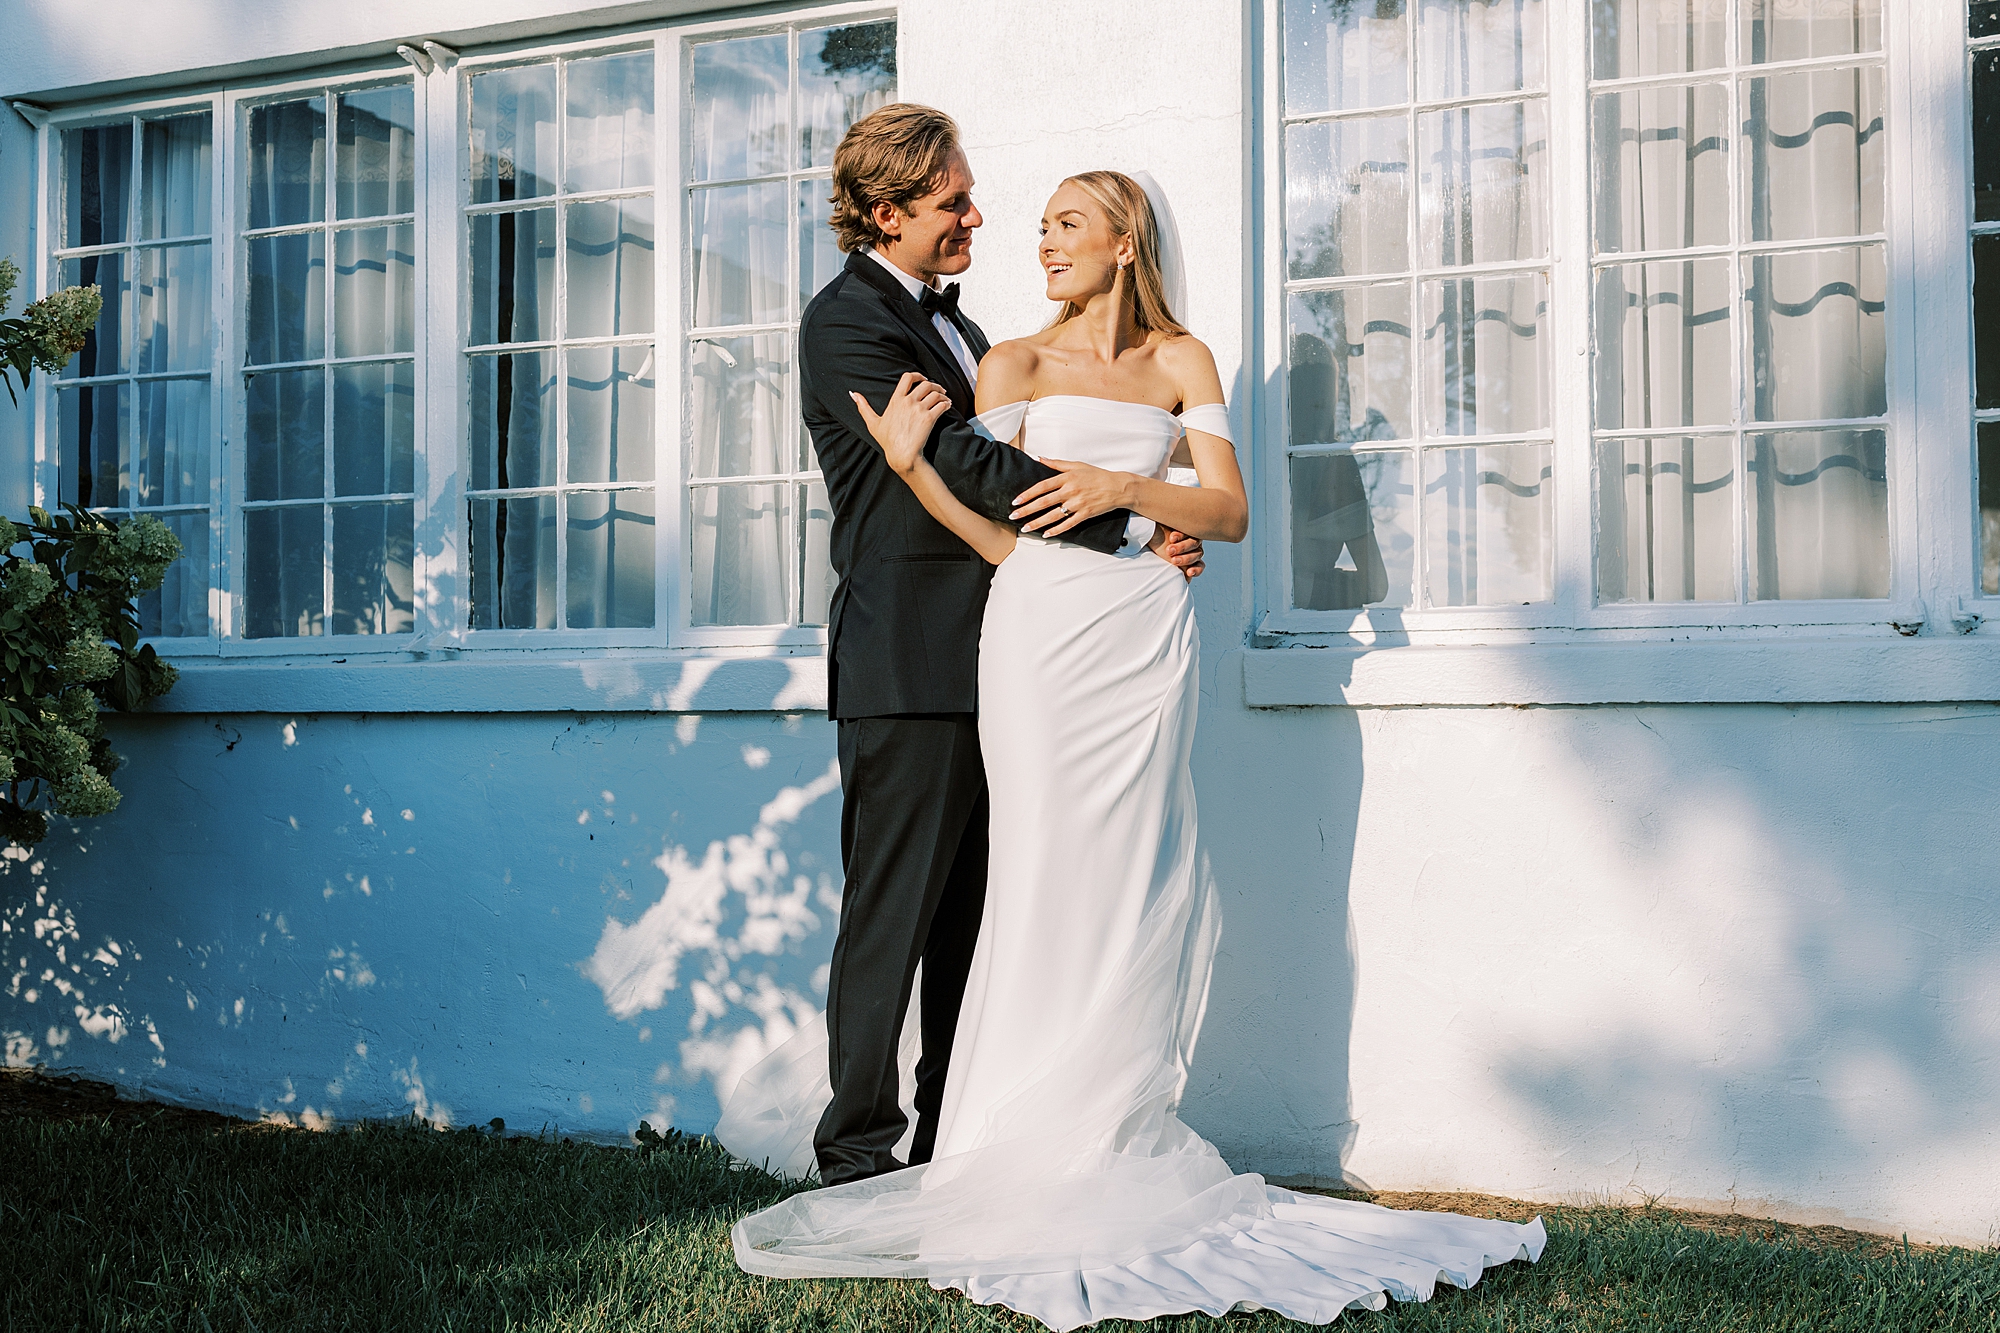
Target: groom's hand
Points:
x,y
1178,549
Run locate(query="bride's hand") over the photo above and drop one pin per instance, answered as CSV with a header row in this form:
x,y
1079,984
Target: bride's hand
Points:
x,y
904,426
1078,493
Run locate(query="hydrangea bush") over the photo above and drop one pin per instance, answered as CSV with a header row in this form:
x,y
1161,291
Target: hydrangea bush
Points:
x,y
48,333
69,629
69,632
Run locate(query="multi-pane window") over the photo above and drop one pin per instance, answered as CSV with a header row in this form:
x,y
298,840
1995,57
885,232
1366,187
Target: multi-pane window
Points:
x,y
1416,189
1732,298
329,246
766,114
1740,278
1983,32
424,436
561,438
133,410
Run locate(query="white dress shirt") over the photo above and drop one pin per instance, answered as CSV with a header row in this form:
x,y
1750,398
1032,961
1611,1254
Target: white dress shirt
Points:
x,y
1138,530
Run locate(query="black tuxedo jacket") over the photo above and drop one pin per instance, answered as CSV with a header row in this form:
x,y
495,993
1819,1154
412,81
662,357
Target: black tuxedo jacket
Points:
x,y
906,612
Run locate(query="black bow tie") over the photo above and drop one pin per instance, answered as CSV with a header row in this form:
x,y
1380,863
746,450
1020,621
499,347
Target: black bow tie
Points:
x,y
944,303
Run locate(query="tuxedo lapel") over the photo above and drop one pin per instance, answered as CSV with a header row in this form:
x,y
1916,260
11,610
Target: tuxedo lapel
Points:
x,y
975,337
913,318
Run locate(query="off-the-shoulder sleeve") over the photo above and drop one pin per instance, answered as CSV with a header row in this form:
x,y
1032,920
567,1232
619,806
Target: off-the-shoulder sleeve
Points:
x,y
1209,419
1002,423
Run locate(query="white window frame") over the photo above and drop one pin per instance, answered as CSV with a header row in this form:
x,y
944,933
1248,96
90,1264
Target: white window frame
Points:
x,y
442,595
1932,505
232,305
45,276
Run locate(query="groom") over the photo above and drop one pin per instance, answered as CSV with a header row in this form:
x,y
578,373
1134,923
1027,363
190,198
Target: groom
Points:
x,y
902,674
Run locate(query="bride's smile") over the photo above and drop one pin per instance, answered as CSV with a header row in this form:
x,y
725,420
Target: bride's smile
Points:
x,y
1080,255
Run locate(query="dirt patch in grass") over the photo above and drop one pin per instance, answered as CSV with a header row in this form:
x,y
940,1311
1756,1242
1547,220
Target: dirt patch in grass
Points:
x,y
35,1093
31,1093
1719,1224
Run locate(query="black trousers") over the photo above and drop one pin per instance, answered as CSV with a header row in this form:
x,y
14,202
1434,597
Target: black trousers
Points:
x,y
913,845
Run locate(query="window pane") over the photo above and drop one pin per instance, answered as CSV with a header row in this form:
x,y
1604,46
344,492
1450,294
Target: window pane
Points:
x,y
610,280
285,435
608,122
1350,372
97,184
1485,342
283,592
844,73
1819,517
1482,192
610,413
513,134
178,189
178,608
1986,134
1354,523
513,558
374,428
1814,152
1660,167
91,430
288,163
104,346
1470,48
372,548
610,559
374,290
513,276
820,579
1488,524
1815,335
1344,54
1989,507
1663,346
740,91
1802,29
819,255
1634,38
1986,317
175,312
1982,17
738,237
742,567
512,421
1347,197
286,318
1666,520
173,444
375,167
738,391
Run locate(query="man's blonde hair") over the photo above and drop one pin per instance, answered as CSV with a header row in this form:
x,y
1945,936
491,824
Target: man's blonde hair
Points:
x,y
894,155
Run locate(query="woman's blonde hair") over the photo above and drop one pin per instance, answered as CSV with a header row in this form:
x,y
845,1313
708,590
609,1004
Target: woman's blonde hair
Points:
x,y
894,155
1130,214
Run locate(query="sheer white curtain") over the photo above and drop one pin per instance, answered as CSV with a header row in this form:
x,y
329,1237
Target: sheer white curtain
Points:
x,y
1394,382
742,566
1722,344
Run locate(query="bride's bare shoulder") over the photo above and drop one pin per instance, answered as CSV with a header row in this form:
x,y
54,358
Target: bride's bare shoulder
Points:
x,y
1007,373
1191,366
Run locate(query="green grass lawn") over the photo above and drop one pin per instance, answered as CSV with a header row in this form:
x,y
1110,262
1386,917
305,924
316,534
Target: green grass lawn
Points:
x,y
176,1221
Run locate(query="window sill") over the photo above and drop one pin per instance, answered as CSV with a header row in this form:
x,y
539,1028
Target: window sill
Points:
x,y
490,681
1788,669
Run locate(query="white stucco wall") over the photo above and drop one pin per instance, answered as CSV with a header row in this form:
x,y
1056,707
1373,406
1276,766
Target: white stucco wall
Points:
x,y
1721,954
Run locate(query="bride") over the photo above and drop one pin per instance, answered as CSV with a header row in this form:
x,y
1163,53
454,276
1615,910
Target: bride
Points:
x,y
1063,1183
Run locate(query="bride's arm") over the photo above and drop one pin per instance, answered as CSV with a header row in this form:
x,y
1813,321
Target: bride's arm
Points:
x,y
902,429
1218,511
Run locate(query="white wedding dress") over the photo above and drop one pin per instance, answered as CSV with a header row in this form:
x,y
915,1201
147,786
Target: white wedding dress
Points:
x,y
1064,1185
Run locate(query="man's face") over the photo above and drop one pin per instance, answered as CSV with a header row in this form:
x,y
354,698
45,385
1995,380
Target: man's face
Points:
x,y
935,237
